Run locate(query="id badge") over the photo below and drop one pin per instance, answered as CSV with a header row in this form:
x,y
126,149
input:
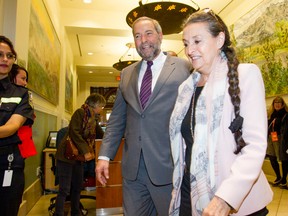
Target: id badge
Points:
x,y
7,178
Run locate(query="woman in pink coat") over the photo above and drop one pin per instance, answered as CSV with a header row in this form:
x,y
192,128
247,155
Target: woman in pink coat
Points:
x,y
218,128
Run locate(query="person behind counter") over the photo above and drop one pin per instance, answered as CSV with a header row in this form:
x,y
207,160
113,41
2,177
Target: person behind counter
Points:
x,y
82,131
218,142
15,110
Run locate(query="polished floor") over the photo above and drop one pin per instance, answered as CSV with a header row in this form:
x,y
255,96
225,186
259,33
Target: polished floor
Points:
x,y
41,207
278,207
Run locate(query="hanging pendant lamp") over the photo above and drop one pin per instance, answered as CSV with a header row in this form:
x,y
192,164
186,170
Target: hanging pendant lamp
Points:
x,y
170,15
123,61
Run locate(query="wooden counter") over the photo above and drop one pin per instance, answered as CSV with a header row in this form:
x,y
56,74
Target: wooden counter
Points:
x,y
49,176
110,196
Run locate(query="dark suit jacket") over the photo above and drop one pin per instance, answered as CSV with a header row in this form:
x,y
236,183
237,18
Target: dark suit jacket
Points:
x,y
148,129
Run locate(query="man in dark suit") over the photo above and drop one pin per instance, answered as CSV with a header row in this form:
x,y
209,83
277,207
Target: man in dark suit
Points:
x,y
147,161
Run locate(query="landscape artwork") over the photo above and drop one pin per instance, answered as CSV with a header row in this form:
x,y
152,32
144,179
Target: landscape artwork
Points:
x,y
69,91
261,37
43,54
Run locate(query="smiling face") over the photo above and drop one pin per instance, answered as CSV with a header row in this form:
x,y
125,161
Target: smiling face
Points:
x,y
6,59
201,48
147,39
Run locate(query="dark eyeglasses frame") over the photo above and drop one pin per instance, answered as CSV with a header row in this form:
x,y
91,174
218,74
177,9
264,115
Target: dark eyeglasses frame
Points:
x,y
9,56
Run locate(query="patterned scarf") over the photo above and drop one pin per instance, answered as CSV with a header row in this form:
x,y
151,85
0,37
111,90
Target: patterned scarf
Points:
x,y
208,114
89,125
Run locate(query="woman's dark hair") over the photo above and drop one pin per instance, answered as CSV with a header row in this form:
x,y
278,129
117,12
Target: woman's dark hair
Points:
x,y
14,71
215,26
7,41
95,99
272,109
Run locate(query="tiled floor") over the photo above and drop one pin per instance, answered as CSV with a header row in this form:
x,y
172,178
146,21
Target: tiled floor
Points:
x,y
278,207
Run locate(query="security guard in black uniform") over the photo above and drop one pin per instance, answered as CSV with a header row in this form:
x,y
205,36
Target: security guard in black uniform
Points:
x,y
15,111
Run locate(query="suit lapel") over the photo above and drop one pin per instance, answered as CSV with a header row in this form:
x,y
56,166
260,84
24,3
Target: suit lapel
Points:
x,y
133,88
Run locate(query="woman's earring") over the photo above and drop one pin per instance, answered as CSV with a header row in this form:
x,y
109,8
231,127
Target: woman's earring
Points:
x,y
223,55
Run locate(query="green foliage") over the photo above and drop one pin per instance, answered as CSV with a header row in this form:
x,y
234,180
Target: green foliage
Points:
x,y
271,55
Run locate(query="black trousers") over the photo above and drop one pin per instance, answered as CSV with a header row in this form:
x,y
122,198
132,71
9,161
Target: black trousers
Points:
x,y
185,204
11,197
261,212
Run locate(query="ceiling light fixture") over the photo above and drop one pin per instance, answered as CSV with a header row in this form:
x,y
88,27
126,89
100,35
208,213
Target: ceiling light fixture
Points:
x,y
169,14
124,63
87,1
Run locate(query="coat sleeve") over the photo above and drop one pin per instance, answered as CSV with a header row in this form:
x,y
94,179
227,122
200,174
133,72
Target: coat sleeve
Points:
x,y
115,128
240,172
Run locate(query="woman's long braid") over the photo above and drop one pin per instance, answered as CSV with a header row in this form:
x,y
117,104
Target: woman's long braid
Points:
x,y
234,92
215,26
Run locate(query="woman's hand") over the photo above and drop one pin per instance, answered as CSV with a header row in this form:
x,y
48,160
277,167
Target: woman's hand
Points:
x,y
88,156
217,207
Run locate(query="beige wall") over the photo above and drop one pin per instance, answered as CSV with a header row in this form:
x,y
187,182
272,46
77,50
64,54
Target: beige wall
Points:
x,y
1,16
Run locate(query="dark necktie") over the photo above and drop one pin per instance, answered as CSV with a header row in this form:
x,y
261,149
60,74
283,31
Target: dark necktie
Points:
x,y
145,90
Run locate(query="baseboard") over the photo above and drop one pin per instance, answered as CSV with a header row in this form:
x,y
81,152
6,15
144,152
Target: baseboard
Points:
x,y
30,196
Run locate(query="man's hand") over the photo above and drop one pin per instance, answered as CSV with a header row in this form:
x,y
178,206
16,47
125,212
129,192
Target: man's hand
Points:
x,y
102,171
217,207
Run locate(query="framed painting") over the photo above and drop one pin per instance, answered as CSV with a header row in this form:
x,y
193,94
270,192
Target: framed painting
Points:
x,y
69,91
44,51
260,37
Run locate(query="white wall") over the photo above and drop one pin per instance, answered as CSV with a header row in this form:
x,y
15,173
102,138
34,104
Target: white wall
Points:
x,y
1,17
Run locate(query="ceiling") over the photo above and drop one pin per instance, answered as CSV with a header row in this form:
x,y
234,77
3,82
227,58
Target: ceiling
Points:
x,y
101,28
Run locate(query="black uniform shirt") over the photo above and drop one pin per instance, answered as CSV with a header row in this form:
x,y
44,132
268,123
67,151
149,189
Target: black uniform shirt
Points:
x,y
13,100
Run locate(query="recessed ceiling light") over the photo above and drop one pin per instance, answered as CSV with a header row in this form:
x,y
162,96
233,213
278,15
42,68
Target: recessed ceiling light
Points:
x,y
110,72
90,72
87,1
90,53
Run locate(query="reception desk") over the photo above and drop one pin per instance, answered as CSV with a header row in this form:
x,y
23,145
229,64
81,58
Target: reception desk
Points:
x,y
49,165
110,196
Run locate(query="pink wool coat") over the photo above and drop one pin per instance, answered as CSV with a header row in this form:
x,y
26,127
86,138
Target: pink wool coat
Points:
x,y
240,180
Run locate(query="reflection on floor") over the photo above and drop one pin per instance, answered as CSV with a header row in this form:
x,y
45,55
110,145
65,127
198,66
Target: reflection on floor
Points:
x,y
41,207
278,207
